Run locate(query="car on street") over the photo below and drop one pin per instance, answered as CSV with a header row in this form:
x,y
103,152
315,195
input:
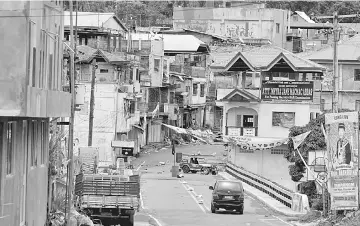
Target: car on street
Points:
x,y
228,195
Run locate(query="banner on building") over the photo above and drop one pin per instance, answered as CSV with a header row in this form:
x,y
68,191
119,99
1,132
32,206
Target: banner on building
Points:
x,y
287,90
342,153
256,143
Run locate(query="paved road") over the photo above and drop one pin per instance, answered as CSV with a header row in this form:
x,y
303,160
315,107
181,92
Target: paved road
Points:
x,y
172,202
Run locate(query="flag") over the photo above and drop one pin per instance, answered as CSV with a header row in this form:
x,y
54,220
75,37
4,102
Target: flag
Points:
x,y
156,110
299,139
323,131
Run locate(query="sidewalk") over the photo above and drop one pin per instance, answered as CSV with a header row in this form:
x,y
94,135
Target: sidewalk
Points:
x,y
264,198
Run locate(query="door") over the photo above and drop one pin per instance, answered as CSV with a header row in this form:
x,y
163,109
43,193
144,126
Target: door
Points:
x,y
25,149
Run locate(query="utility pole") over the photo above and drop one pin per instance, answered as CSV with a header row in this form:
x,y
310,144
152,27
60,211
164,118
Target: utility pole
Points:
x,y
92,102
336,65
72,118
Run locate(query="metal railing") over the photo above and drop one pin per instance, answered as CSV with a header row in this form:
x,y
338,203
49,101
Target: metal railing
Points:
x,y
274,190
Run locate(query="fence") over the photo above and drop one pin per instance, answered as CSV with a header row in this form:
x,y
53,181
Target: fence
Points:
x,y
277,192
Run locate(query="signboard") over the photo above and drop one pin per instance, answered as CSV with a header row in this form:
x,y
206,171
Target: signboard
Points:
x,y
234,132
342,153
249,132
287,90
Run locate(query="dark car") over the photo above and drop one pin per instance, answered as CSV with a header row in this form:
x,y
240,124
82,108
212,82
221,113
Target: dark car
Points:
x,y
227,195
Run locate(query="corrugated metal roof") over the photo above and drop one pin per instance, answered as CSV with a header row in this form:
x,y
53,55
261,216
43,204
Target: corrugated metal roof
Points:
x,y
91,19
264,58
348,50
304,16
87,53
174,43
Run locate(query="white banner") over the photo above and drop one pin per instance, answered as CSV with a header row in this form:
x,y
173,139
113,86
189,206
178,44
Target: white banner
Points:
x,y
256,143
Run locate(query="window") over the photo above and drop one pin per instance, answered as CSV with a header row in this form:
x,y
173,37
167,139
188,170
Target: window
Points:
x,y
322,104
195,87
32,130
1,150
10,134
295,18
132,107
202,90
43,142
316,76
356,74
187,89
283,119
104,70
277,28
157,64
172,97
276,151
357,105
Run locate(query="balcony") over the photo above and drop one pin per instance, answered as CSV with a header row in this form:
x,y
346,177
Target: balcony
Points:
x,y
194,71
164,108
241,131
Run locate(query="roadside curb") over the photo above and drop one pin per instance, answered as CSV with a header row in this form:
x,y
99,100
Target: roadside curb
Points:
x,y
262,201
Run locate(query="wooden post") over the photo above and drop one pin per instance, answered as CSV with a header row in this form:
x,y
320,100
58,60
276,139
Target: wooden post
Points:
x,y
70,179
336,66
92,103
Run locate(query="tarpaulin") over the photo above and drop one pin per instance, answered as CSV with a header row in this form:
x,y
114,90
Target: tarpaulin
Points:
x,y
256,143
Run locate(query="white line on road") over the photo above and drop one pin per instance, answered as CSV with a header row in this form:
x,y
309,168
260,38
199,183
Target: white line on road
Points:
x,y
142,201
137,169
156,220
192,196
282,220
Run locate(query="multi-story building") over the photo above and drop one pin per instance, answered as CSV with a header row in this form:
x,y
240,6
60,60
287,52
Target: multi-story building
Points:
x,y
116,86
98,30
163,75
31,85
246,23
349,74
262,92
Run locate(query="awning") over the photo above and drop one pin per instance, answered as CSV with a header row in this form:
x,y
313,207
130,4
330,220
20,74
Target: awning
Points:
x,y
199,80
139,127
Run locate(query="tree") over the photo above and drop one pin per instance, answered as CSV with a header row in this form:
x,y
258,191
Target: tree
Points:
x,y
314,141
320,8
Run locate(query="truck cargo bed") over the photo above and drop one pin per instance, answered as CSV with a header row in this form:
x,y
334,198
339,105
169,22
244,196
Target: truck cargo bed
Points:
x,y
95,201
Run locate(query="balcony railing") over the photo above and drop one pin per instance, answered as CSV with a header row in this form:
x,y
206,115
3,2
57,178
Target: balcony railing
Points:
x,y
164,108
241,131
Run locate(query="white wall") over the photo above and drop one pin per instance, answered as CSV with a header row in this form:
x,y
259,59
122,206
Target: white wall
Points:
x,y
266,129
273,167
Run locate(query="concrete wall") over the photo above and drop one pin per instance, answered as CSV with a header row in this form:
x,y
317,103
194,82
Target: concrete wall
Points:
x,y
198,99
266,129
269,164
233,112
157,52
234,22
31,83
104,119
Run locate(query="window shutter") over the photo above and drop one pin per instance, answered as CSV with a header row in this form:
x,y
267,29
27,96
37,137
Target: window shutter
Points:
x,y
238,120
256,120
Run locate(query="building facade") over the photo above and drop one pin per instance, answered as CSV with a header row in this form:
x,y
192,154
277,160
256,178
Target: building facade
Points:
x,y
236,22
349,74
263,92
31,85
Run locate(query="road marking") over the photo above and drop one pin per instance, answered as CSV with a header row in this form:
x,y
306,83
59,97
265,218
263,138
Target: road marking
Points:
x,y
142,201
156,220
194,198
137,169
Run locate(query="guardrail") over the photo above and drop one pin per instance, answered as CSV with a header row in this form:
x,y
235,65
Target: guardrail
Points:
x,y
270,188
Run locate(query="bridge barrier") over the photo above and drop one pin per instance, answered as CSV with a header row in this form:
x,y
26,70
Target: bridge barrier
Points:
x,y
297,202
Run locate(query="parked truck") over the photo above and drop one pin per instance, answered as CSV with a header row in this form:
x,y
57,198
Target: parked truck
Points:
x,y
108,198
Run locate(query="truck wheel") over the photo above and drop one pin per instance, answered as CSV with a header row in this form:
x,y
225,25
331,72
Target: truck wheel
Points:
x,y
205,170
129,222
186,169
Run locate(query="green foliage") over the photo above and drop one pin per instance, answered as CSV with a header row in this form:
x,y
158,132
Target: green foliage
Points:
x,y
314,141
320,8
